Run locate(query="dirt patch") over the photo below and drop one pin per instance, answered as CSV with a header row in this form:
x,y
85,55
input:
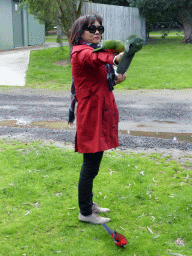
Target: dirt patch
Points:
x,y
62,63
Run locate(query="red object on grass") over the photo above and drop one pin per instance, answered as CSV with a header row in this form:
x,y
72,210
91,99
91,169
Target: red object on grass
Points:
x,y
118,238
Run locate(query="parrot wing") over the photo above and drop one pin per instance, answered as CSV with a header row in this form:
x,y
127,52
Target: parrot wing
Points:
x,y
119,239
98,49
116,46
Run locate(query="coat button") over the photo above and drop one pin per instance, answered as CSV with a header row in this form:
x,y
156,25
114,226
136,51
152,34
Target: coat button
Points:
x,y
113,100
106,109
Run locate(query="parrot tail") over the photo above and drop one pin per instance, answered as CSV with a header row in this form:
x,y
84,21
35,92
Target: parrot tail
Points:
x,y
107,229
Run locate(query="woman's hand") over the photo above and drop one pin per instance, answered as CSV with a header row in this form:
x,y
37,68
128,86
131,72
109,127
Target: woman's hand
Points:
x,y
119,57
120,78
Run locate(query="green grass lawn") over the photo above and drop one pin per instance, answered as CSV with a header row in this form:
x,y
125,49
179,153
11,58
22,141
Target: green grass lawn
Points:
x,y
51,39
44,73
162,63
149,197
176,32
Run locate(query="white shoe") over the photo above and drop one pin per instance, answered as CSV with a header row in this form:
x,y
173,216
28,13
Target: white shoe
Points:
x,y
93,218
98,209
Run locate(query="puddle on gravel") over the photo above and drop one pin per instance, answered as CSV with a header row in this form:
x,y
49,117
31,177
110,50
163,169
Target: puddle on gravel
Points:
x,y
184,137
41,124
52,124
166,122
142,125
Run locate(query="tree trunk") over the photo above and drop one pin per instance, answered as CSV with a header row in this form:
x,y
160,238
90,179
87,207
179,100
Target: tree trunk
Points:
x,y
185,16
188,32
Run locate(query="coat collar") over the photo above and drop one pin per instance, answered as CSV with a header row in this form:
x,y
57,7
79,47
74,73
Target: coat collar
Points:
x,y
78,48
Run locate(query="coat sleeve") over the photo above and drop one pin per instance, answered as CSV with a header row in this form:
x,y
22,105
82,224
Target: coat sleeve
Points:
x,y
88,57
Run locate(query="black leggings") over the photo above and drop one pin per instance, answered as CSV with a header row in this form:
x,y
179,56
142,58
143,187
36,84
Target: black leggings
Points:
x,y
89,170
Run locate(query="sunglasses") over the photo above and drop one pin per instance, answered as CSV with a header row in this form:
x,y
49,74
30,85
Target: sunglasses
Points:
x,y
92,29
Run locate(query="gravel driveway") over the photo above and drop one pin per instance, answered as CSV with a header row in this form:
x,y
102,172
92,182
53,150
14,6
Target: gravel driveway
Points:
x,y
150,121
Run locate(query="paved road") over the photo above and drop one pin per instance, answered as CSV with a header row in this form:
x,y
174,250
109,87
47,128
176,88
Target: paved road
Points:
x,y
14,63
155,120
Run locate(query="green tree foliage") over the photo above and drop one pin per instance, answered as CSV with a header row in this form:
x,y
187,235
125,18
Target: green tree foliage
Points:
x,y
159,10
61,12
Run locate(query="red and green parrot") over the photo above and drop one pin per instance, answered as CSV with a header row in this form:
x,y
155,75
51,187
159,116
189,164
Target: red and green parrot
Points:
x,y
112,46
118,238
132,45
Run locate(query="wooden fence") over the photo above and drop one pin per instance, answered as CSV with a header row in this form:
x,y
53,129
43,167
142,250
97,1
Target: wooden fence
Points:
x,y
119,21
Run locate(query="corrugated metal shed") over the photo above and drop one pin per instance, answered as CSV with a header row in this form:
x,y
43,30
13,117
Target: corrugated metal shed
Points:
x,y
18,28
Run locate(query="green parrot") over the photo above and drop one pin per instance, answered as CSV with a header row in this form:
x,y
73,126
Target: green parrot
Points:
x,y
133,44
114,46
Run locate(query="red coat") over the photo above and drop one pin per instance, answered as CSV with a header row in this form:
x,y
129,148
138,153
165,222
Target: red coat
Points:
x,y
97,113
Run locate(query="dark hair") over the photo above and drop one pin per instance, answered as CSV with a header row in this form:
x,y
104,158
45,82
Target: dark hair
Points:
x,y
81,24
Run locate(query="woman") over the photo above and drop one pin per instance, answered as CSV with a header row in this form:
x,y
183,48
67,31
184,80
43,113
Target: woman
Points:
x,y
97,113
